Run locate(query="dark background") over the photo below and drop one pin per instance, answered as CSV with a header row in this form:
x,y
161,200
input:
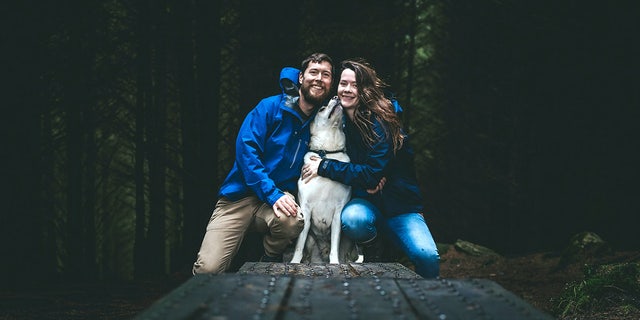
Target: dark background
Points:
x,y
120,118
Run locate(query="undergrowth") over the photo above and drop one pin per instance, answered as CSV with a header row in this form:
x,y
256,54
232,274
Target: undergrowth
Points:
x,y
604,287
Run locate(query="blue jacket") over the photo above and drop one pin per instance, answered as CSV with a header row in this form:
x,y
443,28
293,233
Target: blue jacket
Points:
x,y
270,148
368,165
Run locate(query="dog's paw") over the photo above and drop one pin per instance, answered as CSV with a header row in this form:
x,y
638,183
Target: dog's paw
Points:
x,y
296,258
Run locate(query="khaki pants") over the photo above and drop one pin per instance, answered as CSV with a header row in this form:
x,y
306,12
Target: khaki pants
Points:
x,y
228,225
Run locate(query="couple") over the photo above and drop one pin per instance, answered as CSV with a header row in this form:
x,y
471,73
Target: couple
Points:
x,y
258,194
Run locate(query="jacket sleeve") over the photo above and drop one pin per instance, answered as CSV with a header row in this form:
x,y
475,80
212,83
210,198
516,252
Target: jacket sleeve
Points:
x,y
250,148
361,175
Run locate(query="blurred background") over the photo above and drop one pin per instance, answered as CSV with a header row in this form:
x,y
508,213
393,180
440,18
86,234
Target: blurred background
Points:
x,y
120,119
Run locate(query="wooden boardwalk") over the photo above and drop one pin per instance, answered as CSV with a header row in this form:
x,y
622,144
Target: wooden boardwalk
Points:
x,y
345,291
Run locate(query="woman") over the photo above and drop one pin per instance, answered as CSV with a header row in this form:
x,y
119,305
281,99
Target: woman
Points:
x,y
386,195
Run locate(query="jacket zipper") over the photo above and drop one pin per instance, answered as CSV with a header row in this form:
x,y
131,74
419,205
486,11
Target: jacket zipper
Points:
x,y
295,156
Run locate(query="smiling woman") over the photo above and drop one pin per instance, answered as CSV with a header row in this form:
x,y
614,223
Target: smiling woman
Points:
x,y
386,195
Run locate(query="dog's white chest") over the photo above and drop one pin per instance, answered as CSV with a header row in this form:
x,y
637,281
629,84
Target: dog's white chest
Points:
x,y
321,199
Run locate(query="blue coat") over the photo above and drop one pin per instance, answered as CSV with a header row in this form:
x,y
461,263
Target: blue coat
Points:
x,y
270,148
368,165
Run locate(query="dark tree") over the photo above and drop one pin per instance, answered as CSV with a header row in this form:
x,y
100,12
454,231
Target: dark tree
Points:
x,y
143,101
122,117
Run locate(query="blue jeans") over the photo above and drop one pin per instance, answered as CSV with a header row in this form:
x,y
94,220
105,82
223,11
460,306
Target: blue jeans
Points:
x,y
361,220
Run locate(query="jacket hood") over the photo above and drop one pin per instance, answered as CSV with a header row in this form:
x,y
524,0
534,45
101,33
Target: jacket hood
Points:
x,y
289,81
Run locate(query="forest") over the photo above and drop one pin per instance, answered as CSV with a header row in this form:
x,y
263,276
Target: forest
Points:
x,y
120,119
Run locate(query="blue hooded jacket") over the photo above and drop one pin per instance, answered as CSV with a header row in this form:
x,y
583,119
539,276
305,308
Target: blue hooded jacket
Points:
x,y
401,193
270,148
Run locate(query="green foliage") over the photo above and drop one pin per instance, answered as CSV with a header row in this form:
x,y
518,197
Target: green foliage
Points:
x,y
424,95
602,287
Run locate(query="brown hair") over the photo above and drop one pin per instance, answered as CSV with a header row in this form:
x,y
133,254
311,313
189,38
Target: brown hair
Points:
x,y
373,103
317,58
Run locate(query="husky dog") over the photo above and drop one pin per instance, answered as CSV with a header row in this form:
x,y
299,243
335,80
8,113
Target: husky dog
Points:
x,y
322,199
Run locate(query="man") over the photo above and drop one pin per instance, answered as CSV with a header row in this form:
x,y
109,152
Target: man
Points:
x,y
257,195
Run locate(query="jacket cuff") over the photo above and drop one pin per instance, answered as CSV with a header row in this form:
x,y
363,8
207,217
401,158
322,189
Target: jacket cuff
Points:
x,y
322,167
271,199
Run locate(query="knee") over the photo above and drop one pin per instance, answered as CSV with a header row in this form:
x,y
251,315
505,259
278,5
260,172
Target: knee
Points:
x,y
358,221
352,221
288,227
202,266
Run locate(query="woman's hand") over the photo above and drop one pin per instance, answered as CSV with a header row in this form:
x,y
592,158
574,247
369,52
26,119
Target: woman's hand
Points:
x,y
310,169
378,187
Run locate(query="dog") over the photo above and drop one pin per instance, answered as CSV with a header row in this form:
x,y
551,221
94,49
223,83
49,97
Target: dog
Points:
x,y
322,199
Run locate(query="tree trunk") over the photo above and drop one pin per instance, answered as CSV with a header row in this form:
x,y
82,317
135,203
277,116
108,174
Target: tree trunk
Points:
x,y
191,143
89,208
76,98
157,157
75,217
47,207
143,99
410,60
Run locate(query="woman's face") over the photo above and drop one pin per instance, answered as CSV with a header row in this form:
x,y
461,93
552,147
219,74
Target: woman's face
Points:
x,y
348,90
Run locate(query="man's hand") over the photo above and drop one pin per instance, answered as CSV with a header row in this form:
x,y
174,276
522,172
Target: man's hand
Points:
x,y
287,205
378,187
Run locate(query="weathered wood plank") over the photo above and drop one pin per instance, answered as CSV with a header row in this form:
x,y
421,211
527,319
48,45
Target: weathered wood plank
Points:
x,y
381,270
466,299
345,291
347,298
222,297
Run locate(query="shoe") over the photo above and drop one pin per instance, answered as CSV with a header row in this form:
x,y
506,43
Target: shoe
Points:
x,y
266,258
360,254
373,250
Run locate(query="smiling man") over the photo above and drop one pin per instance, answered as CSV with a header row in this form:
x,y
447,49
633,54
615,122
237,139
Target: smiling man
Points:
x,y
257,194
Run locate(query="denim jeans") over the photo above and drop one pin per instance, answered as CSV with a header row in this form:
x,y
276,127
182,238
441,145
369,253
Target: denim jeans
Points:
x,y
361,221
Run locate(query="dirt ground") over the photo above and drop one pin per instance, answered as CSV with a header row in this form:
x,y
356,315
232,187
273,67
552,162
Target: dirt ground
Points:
x,y
533,277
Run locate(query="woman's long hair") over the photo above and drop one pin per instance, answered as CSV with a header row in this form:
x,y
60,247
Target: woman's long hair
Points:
x,y
372,102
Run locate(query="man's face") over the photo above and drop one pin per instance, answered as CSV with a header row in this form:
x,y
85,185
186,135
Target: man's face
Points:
x,y
316,82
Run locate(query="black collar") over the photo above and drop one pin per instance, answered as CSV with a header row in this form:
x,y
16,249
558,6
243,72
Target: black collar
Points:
x,y
323,153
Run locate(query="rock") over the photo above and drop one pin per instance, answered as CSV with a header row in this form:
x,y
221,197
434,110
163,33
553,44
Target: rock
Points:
x,y
474,249
583,246
587,240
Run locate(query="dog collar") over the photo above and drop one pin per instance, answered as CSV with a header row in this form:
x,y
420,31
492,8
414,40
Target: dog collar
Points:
x,y
323,153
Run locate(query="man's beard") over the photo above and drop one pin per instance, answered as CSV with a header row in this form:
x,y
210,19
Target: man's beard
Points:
x,y
314,100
